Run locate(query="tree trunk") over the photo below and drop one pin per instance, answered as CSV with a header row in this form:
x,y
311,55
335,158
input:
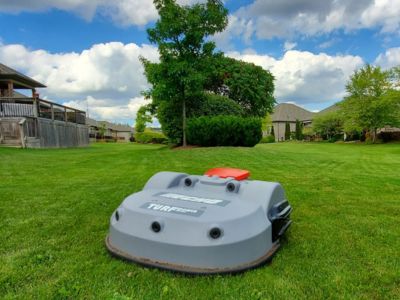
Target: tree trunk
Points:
x,y
374,135
184,144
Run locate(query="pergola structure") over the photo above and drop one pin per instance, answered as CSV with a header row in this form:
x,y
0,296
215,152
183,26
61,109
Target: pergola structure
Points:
x,y
11,79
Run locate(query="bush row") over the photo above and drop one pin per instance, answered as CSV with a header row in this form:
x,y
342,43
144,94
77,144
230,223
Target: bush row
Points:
x,y
224,131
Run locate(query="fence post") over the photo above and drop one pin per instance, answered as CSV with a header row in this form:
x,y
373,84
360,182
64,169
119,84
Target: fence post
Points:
x,y
22,132
35,107
52,111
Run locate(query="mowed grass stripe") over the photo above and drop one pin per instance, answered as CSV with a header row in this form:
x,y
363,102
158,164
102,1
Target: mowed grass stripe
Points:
x,y
55,207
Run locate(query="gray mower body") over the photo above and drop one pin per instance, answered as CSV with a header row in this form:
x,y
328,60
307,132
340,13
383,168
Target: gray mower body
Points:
x,y
200,224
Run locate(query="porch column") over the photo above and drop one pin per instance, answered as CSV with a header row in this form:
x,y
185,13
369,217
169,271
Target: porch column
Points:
x,y
10,89
35,107
52,111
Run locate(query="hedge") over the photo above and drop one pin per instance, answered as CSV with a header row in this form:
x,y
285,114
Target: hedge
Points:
x,y
224,131
150,137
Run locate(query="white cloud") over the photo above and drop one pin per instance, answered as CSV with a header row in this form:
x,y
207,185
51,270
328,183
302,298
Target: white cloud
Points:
x,y
328,44
287,18
384,13
305,77
105,109
289,46
390,58
239,28
106,76
122,12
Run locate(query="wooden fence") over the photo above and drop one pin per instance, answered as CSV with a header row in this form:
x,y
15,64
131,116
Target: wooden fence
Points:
x,y
42,133
58,134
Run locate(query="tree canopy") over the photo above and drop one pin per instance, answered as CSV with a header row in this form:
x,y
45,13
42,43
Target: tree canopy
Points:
x,y
328,125
373,101
249,85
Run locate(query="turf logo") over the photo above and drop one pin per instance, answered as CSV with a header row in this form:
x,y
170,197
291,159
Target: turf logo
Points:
x,y
173,209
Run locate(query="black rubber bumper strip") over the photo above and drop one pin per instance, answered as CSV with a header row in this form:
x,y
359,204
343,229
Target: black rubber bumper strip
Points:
x,y
267,257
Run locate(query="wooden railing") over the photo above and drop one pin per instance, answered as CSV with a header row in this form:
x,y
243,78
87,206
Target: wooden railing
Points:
x,y
30,107
16,107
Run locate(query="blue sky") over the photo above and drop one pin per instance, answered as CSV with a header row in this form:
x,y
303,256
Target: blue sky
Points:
x,y
86,51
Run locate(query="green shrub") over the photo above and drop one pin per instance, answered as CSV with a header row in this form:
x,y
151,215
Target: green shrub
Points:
x,y
224,131
150,137
215,105
267,139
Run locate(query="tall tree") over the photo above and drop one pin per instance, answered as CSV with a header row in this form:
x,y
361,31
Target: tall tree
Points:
x,y
181,34
142,118
287,131
373,101
266,124
272,131
299,131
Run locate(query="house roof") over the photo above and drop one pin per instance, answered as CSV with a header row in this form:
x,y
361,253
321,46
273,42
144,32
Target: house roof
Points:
x,y
290,112
20,80
109,125
329,109
19,95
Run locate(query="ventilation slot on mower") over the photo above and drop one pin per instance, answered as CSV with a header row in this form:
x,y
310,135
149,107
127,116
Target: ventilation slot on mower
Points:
x,y
280,218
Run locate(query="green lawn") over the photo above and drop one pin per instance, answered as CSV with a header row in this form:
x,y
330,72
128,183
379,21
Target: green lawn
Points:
x,y
344,242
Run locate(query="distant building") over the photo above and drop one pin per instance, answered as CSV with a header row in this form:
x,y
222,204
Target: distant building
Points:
x,y
112,131
33,122
287,112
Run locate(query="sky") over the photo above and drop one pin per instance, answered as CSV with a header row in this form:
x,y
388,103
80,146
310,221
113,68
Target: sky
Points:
x,y
87,51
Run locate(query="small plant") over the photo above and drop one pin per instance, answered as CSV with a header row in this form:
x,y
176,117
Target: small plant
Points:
x,y
267,139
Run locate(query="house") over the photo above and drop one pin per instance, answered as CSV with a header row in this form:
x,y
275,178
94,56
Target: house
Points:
x,y
32,122
112,131
287,112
